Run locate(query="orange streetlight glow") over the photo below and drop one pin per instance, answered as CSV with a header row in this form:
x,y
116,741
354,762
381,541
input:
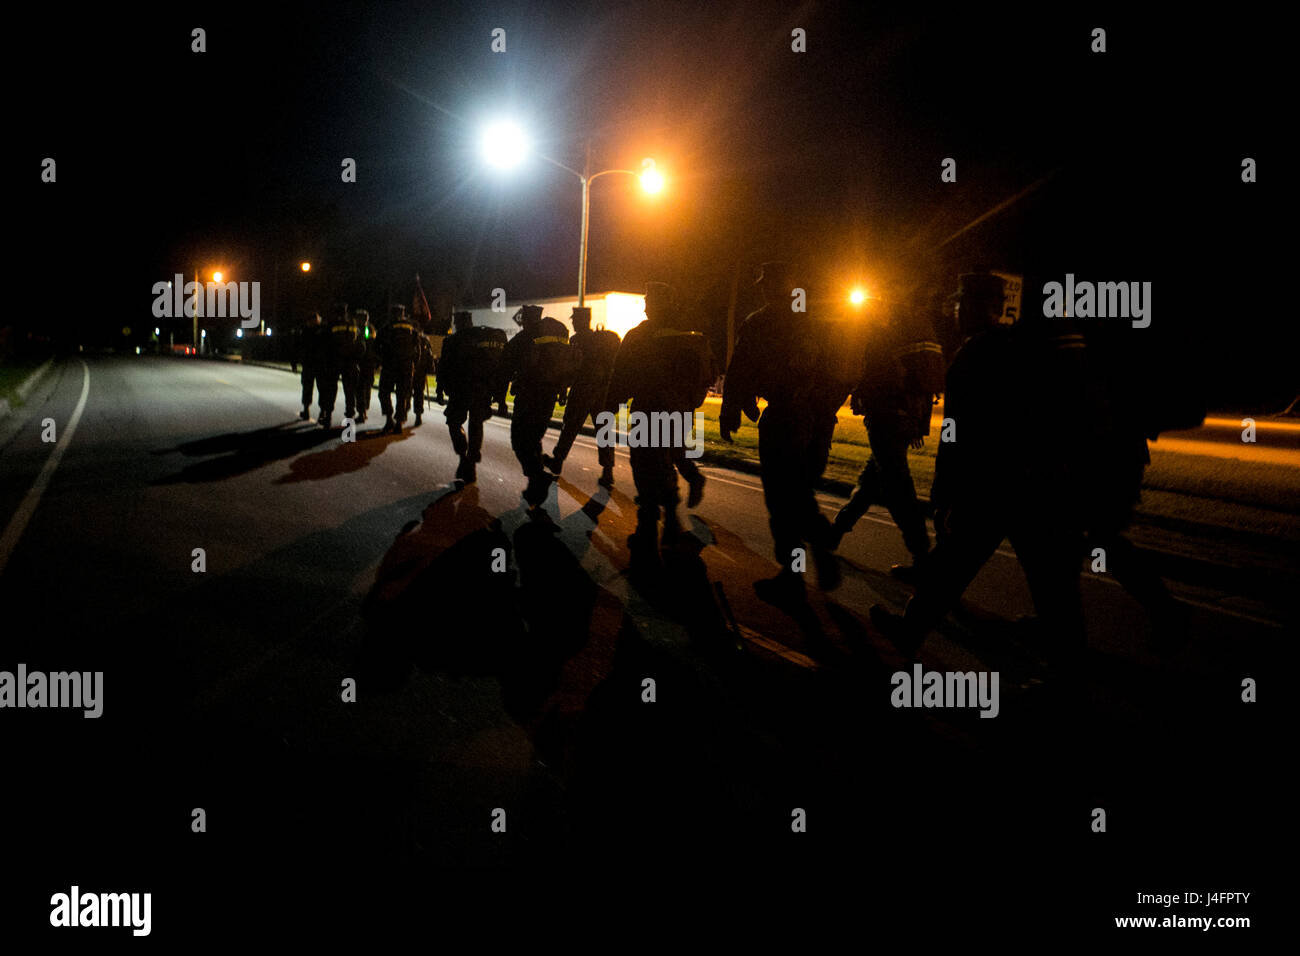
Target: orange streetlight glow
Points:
x,y
216,277
858,296
652,181
306,267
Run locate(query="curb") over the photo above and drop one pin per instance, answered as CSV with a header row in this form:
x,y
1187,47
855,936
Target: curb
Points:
x,y
25,388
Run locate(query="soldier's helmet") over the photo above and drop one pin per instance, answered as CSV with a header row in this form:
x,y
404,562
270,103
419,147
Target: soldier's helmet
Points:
x,y
397,313
581,316
463,319
980,298
529,315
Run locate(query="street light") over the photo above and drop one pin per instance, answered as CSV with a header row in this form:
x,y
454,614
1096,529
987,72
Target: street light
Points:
x,y
505,145
306,267
858,296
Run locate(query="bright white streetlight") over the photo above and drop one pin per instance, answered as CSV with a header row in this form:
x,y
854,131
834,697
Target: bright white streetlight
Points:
x,y
652,181
504,144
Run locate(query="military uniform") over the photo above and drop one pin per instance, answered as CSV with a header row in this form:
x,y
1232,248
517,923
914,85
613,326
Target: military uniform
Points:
x,y
587,395
539,363
902,373
340,362
784,357
399,346
1014,471
311,355
367,362
470,372
661,368
425,365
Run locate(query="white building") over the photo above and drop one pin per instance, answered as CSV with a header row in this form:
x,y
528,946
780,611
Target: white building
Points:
x,y
616,311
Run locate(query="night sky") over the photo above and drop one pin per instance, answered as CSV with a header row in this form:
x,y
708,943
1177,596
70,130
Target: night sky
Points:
x,y
829,158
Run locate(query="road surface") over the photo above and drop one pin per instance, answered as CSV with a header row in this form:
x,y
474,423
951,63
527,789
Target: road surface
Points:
x,y
479,690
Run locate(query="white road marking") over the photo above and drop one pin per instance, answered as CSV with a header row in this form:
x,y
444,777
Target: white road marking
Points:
x,y
18,523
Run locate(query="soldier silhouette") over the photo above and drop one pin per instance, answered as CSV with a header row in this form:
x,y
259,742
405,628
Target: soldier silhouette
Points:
x,y
1014,396
587,394
470,372
538,363
783,356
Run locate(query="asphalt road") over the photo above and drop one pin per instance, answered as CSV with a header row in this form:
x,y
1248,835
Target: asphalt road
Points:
x,y
479,690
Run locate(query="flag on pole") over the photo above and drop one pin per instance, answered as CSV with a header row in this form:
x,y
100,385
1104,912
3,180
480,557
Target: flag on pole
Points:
x,y
420,311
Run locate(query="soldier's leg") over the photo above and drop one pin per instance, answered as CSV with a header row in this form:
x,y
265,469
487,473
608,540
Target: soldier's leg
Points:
x,y
457,412
478,413
953,564
329,387
386,392
419,383
780,476
365,384
898,492
405,378
648,483
816,527
308,380
1049,553
668,493
575,415
350,391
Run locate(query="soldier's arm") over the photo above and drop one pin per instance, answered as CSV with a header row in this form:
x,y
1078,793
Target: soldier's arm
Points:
x,y
739,391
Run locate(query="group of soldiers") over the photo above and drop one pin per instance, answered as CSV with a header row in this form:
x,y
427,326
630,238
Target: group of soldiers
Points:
x,y
349,350
1042,444
1045,443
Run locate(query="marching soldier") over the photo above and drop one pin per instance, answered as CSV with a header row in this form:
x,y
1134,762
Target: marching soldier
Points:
x,y
662,368
587,395
901,377
539,363
367,361
399,347
425,365
1004,384
311,348
784,356
340,361
469,371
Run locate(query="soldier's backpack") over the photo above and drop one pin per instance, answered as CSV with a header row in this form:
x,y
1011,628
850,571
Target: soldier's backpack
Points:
x,y
551,362
478,357
689,360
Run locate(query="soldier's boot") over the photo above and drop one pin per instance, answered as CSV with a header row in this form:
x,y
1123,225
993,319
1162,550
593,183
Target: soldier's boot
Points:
x,y
324,420
535,493
786,589
419,420
389,426
606,476
847,517
553,464
465,471
695,494
828,566
305,414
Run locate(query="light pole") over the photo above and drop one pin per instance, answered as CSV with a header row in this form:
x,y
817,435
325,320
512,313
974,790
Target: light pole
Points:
x,y
504,145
